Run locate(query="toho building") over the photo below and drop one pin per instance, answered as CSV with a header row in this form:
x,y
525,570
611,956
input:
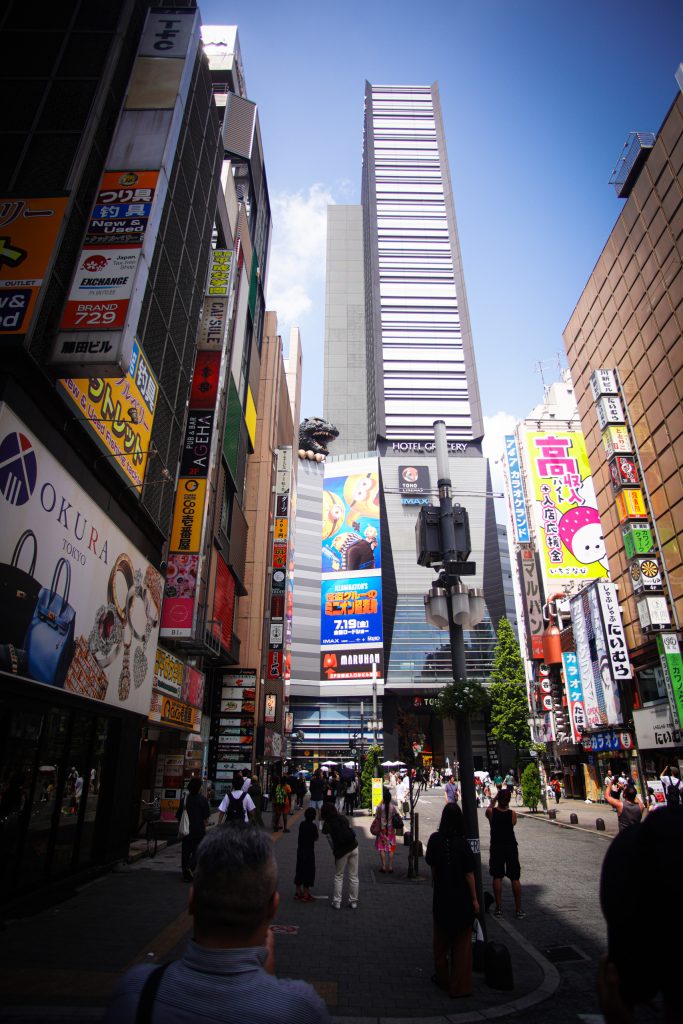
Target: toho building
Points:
x,y
398,355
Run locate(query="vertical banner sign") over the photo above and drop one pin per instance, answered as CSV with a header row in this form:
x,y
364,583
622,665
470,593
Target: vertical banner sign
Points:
x,y
601,652
575,706
532,601
28,232
517,500
119,411
565,508
177,618
672,667
105,297
351,634
232,742
276,658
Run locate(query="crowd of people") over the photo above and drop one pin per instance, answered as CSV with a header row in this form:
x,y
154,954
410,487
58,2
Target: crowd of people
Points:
x,y
234,892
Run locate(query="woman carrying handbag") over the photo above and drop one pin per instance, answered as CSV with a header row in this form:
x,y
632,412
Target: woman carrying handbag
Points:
x,y
383,828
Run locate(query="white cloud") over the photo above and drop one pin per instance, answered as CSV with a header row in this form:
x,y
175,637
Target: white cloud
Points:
x,y
496,427
297,258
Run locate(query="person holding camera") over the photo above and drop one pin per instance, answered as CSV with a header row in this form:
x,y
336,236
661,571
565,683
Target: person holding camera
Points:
x,y
628,805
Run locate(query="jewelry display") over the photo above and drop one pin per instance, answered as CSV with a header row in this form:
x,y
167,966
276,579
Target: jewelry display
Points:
x,y
141,592
106,635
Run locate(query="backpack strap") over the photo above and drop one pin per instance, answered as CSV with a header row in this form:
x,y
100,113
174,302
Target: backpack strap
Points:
x,y
149,993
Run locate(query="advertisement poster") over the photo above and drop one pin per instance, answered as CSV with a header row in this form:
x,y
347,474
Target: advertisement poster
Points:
x,y
351,532
29,229
351,610
85,616
232,744
179,594
516,491
593,649
352,665
168,674
564,508
193,686
574,692
120,413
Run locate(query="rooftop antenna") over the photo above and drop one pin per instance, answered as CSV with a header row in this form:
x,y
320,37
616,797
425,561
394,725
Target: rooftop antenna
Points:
x,y
544,364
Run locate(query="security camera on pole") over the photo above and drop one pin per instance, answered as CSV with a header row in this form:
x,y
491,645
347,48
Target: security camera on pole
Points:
x,y
443,541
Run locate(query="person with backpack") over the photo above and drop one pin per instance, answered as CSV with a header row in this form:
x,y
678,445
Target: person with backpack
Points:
x,y
281,804
236,805
345,851
673,789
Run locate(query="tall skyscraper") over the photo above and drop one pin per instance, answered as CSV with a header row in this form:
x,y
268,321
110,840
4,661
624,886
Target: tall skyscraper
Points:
x,y
414,359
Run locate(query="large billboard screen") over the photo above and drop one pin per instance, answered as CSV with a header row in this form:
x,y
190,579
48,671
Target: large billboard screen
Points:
x,y
564,507
83,615
351,587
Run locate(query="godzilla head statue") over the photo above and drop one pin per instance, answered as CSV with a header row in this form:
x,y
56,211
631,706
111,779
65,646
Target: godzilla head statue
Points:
x,y
314,436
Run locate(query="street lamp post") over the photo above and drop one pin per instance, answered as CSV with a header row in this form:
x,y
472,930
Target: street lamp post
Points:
x,y
444,541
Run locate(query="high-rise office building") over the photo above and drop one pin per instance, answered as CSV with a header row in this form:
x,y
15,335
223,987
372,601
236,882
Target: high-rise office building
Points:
x,y
408,361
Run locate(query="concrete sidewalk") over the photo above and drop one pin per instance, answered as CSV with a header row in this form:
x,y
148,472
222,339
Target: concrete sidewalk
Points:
x,y
587,815
370,965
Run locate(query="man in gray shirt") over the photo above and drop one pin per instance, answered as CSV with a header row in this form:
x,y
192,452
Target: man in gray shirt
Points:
x,y
226,975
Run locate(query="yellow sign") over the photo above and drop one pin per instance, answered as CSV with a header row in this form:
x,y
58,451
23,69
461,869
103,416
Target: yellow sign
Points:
x,y
564,507
28,232
175,713
281,529
630,504
188,515
120,412
615,440
377,786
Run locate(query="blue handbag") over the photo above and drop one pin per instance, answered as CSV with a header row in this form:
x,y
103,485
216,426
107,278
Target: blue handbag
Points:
x,y
50,636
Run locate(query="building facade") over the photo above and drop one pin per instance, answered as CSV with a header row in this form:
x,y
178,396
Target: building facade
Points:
x,y
398,355
625,350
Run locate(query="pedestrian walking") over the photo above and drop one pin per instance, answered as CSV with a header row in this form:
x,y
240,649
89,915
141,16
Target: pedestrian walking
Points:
x,y
345,851
304,875
403,796
629,806
198,812
509,781
451,791
340,795
236,806
350,796
503,854
454,902
383,828
317,791
256,794
557,790
281,804
227,973
673,790
300,790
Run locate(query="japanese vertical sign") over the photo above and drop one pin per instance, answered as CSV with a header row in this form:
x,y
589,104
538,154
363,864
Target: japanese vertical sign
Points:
x,y
516,490
672,666
601,652
277,640
208,378
120,412
565,508
574,691
351,633
108,285
28,232
532,600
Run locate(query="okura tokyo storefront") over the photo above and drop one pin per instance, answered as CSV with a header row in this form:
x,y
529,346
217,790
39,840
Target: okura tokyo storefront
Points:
x,y
79,620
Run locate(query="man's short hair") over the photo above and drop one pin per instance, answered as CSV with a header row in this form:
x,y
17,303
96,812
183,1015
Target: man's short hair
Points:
x,y
235,878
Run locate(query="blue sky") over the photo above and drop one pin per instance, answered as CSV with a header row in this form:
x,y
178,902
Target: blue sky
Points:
x,y
538,97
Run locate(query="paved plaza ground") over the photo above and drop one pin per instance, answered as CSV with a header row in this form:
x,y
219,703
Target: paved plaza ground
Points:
x,y
372,965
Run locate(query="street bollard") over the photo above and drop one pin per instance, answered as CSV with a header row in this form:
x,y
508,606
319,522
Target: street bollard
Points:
x,y
573,819
552,814
600,824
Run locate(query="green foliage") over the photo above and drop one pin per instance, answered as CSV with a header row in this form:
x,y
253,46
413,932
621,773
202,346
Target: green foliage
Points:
x,y
373,755
507,692
531,787
461,698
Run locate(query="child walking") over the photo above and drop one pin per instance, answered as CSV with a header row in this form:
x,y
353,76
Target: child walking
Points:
x,y
304,876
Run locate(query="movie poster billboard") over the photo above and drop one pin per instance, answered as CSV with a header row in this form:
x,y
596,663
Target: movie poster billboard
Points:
x,y
564,508
351,586
351,530
81,604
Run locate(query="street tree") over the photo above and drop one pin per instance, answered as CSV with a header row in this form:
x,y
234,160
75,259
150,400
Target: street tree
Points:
x,y
507,693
